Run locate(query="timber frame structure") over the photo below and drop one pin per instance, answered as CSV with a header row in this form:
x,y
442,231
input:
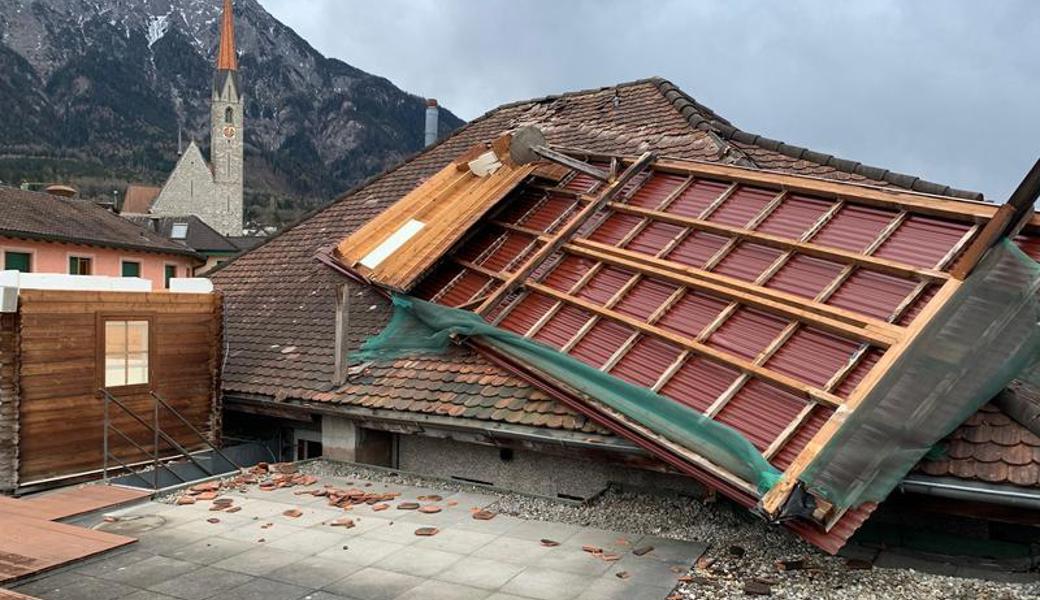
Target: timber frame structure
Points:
x,y
769,302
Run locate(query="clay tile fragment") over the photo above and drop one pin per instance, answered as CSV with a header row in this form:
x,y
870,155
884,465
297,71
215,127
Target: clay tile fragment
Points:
x,y
549,543
642,550
293,513
344,522
592,549
483,515
430,510
233,509
183,500
380,507
204,496
213,520
408,506
427,531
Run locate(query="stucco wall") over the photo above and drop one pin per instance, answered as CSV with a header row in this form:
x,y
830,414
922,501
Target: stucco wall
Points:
x,y
53,257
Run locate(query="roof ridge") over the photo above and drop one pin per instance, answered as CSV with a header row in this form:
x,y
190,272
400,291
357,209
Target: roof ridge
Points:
x,y
701,117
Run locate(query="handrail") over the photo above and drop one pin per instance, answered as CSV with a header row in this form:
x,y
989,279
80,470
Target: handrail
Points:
x,y
197,433
157,431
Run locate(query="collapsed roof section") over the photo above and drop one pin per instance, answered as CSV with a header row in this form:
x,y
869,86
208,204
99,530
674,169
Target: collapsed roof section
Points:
x,y
772,304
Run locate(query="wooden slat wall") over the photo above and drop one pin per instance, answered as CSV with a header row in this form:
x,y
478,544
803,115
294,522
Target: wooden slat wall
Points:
x,y
60,412
8,401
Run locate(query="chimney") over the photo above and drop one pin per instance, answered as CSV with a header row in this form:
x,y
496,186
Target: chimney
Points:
x,y
431,121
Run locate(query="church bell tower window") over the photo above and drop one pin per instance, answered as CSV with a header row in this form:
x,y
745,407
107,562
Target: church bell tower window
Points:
x,y
229,116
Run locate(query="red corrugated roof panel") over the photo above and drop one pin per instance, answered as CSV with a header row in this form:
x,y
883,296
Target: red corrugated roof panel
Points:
x,y
645,297
747,333
604,284
854,227
559,329
615,228
761,411
699,383
697,249
812,356
697,197
747,261
654,238
795,216
656,190
856,375
789,451
527,312
805,276
871,293
582,183
742,206
568,272
601,342
1030,245
692,313
922,241
463,288
646,361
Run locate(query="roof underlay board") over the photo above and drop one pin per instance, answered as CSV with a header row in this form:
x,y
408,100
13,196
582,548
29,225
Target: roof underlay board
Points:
x,y
767,302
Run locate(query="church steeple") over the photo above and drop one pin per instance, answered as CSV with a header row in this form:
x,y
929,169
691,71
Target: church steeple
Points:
x,y
227,56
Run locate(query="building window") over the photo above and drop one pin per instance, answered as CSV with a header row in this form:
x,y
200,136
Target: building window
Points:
x,y
170,273
131,268
80,265
18,261
180,231
126,353
229,116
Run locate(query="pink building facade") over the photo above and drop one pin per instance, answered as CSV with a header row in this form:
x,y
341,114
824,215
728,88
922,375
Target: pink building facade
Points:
x,y
39,256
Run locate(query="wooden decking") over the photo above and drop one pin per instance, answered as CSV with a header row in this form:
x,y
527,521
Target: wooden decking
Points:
x,y
31,541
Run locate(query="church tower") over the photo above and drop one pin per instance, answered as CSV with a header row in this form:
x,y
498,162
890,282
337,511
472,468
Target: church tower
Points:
x,y
227,133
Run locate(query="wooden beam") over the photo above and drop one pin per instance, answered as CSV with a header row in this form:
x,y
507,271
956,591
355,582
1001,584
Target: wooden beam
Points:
x,y
774,500
559,238
807,248
833,319
784,381
570,162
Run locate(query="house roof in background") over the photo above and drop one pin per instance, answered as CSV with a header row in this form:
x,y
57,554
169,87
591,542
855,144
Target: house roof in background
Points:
x,y
139,199
34,215
198,235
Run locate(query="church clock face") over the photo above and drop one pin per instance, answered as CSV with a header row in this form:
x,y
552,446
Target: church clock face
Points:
x,y
229,132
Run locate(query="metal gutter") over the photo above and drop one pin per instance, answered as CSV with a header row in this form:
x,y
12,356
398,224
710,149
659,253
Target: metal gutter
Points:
x,y
955,489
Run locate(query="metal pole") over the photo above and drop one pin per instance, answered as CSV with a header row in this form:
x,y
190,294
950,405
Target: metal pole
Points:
x,y
104,442
155,473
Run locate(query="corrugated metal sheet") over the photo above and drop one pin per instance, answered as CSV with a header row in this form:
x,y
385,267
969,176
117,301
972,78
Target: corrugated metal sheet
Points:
x,y
699,382
546,215
870,293
854,227
817,417
645,297
601,342
761,412
653,238
812,355
865,364
656,190
747,261
463,289
568,272
513,249
646,361
747,333
614,228
526,313
697,249
922,241
697,197
604,284
582,183
559,330
918,305
742,206
794,217
805,276
1030,245
692,313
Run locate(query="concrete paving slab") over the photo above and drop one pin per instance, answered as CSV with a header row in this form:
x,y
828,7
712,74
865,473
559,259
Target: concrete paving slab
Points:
x,y
374,584
362,524
148,595
398,532
456,540
268,530
361,551
200,583
513,550
606,589
421,562
573,559
148,572
209,550
670,550
501,524
616,541
259,561
314,572
74,586
307,542
480,573
649,571
548,584
111,562
264,589
539,530
442,590
503,596
323,595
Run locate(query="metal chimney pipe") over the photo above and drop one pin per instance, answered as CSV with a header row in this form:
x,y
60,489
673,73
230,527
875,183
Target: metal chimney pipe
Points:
x,y
432,115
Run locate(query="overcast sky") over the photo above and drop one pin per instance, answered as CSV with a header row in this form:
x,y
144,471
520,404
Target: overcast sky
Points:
x,y
946,90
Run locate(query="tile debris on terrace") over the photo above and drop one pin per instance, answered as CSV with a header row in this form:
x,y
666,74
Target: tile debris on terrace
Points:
x,y
294,535
760,300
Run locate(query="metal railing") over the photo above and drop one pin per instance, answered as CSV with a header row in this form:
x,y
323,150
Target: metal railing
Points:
x,y
159,461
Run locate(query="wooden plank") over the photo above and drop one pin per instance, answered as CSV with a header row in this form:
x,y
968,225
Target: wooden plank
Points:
x,y
774,500
72,502
559,238
29,546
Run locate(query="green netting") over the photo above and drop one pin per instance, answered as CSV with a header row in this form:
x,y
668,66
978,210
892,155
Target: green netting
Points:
x,y
985,336
422,327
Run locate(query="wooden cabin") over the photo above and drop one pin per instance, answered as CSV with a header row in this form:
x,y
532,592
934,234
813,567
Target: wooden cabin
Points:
x,y
60,347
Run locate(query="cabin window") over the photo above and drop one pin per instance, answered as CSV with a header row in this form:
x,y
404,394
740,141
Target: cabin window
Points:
x,y
80,265
229,116
131,268
18,261
126,353
170,273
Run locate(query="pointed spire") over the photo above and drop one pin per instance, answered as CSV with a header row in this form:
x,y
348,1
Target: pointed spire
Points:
x,y
227,57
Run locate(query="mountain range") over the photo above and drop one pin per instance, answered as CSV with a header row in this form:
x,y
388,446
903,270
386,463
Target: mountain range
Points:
x,y
96,94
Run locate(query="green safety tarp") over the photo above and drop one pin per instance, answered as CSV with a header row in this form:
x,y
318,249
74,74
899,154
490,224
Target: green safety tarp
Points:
x,y
419,327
